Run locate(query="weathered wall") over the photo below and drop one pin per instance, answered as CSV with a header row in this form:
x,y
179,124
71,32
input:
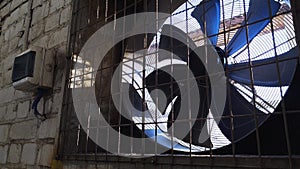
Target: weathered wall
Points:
x,y
25,141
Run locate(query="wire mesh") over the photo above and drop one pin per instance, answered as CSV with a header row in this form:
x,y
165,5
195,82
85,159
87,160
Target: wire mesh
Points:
x,y
276,136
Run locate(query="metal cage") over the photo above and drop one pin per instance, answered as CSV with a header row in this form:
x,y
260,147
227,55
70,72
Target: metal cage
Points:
x,y
273,136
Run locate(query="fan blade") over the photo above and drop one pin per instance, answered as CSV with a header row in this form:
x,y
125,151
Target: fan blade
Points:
x,y
207,13
265,71
156,134
159,136
243,119
258,10
160,79
172,39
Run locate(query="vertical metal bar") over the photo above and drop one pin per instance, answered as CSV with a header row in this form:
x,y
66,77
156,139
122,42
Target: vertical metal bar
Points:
x,y
133,65
112,71
284,114
156,81
252,87
188,92
171,83
98,119
66,100
109,102
144,106
227,73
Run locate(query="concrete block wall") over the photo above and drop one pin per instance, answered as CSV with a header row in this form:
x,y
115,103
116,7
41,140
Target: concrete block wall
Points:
x,y
26,142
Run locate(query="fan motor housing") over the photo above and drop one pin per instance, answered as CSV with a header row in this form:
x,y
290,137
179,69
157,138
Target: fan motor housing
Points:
x,y
32,69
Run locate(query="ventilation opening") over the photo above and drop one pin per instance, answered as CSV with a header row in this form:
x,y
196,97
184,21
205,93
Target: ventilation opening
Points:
x,y
255,45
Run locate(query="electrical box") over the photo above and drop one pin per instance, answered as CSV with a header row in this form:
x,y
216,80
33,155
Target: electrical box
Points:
x,y
32,69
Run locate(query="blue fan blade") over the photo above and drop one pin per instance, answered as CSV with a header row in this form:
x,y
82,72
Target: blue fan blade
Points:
x,y
155,134
243,121
158,136
172,39
265,71
207,13
258,10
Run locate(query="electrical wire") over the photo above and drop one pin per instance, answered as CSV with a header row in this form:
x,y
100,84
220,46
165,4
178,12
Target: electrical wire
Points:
x,y
36,101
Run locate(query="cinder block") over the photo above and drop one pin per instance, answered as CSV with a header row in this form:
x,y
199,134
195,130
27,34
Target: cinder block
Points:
x,y
58,37
6,95
3,154
41,41
23,109
5,10
37,15
46,155
65,15
23,9
11,112
36,3
14,153
17,130
13,44
56,5
14,16
36,31
4,129
2,112
52,22
46,8
48,128
29,154
15,4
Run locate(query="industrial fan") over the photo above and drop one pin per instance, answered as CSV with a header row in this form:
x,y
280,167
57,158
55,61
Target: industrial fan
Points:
x,y
251,75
